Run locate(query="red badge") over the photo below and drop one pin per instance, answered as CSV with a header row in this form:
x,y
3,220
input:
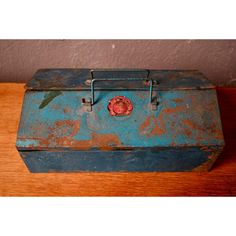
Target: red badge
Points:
x,y
120,106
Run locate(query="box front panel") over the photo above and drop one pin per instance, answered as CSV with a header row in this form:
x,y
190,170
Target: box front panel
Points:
x,y
163,159
57,119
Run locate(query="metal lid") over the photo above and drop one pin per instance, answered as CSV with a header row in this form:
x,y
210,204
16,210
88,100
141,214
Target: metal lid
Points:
x,y
80,79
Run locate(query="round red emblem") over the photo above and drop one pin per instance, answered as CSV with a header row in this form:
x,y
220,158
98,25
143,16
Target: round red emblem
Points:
x,y
120,106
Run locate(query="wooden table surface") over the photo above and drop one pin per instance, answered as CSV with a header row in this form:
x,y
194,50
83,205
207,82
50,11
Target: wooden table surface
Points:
x,y
16,180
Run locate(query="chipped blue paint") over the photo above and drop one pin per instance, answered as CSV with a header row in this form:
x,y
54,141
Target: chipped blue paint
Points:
x,y
127,128
183,133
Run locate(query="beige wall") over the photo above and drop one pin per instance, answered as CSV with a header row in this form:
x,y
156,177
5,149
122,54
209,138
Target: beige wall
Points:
x,y
19,59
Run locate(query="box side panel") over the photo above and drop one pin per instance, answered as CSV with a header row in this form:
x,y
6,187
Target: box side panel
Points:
x,y
163,160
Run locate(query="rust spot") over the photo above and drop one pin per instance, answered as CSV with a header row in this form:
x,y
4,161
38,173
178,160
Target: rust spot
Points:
x,y
40,128
187,133
145,125
158,130
63,131
66,110
150,127
218,134
206,149
177,100
211,130
101,141
142,94
173,109
64,128
191,124
56,106
156,125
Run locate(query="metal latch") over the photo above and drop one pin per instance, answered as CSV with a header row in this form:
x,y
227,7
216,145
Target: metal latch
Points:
x,y
87,103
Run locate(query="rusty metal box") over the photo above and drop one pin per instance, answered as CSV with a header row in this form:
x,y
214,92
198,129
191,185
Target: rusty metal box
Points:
x,y
76,120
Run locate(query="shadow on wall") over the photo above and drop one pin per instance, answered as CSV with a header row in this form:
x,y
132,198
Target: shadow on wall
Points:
x,y
227,100
19,59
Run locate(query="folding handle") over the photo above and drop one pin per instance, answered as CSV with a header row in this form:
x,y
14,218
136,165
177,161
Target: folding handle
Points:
x,y
123,75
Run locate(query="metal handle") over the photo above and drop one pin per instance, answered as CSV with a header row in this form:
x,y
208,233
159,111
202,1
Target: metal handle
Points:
x,y
93,80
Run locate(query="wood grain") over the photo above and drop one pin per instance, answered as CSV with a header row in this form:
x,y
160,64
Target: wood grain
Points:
x,y
16,180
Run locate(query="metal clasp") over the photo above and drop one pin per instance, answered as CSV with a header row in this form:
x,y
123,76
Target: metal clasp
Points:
x,y
87,103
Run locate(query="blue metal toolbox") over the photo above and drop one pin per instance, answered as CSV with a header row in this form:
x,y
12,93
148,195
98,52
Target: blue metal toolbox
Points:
x,y
77,120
